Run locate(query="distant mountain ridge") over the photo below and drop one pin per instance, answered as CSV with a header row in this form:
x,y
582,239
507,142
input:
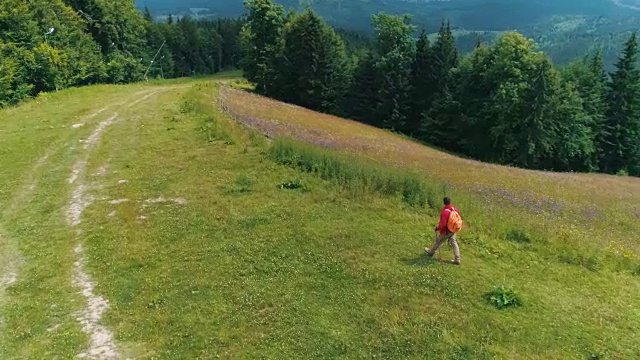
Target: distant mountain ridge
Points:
x,y
565,29
631,4
492,15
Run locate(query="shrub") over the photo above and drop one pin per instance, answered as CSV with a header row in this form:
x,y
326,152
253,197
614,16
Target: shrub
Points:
x,y
187,106
622,172
502,297
292,185
519,236
213,130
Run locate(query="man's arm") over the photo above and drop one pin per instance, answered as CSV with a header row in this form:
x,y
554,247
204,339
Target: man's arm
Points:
x,y
443,220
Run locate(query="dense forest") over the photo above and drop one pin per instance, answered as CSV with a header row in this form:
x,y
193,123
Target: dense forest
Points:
x,y
489,15
505,102
563,29
47,45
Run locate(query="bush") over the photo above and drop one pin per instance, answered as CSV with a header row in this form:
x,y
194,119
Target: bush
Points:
x,y
214,131
292,185
502,297
357,176
519,236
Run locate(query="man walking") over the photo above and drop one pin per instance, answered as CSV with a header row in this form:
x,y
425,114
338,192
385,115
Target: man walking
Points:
x,y
443,230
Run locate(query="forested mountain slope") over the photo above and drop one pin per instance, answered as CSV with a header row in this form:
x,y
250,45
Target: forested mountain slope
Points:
x,y
564,29
470,14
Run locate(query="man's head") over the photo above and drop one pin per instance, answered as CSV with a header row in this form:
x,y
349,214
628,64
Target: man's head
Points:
x,y
447,201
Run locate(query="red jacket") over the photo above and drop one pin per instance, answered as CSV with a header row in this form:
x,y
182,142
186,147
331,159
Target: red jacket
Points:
x,y
444,218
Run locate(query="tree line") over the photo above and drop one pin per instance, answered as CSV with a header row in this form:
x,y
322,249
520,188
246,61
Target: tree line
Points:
x,y
47,45
504,102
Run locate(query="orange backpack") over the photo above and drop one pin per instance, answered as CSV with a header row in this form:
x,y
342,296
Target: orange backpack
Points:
x,y
455,221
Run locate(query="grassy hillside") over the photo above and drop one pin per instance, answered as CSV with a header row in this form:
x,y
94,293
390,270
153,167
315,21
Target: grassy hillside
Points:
x,y
147,222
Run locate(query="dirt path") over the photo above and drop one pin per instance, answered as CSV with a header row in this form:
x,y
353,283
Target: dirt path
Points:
x,y
101,340
10,260
102,343
84,188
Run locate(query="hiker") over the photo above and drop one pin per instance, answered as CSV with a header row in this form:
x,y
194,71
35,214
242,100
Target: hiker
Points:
x,y
447,229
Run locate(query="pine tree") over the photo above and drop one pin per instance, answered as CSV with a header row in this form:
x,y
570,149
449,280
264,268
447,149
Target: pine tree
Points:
x,y
363,93
395,50
589,78
229,30
263,43
621,145
422,84
147,15
315,69
158,47
574,147
595,105
444,57
474,89
441,124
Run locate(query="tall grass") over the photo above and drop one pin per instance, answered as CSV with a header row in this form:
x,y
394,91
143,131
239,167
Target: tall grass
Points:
x,y
357,176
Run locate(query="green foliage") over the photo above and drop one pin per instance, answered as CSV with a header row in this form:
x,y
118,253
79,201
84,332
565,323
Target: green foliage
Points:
x,y
621,145
262,41
590,80
14,85
395,51
504,103
214,131
364,90
292,185
422,84
502,297
48,45
315,69
37,60
519,236
508,104
440,120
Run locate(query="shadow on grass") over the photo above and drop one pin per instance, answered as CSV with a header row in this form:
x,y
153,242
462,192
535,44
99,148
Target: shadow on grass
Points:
x,y
421,261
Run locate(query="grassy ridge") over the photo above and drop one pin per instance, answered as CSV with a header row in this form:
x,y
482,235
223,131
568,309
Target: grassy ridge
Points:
x,y
250,268
534,235
564,211
329,266
37,312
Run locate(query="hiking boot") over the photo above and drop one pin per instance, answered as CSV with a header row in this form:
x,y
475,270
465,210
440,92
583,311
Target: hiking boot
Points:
x,y
429,254
454,262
